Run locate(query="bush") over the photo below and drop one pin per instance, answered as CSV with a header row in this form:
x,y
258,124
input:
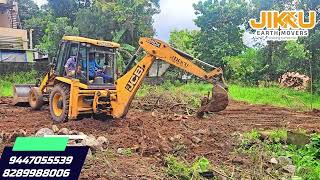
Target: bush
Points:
x,y
7,81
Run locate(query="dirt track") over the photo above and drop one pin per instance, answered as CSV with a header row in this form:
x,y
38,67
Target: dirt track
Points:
x,y
151,133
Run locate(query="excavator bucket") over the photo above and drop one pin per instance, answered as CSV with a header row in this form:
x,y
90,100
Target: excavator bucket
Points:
x,y
218,102
21,93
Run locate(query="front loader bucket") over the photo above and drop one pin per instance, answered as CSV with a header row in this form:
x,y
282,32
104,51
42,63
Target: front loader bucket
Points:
x,y
217,103
21,93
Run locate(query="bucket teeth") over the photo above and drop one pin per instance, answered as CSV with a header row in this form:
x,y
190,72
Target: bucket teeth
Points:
x,y
217,103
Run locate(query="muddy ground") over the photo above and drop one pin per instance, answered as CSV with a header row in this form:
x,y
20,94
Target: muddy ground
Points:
x,y
154,134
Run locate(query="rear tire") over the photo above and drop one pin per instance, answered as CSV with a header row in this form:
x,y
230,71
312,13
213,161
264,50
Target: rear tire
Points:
x,y
59,102
35,98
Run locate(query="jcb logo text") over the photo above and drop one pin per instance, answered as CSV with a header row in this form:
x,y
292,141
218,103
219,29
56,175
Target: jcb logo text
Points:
x,y
134,79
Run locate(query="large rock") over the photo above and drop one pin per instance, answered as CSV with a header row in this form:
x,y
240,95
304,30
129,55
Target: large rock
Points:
x,y
44,131
74,132
283,161
176,138
289,169
298,139
55,128
273,161
103,141
92,143
196,139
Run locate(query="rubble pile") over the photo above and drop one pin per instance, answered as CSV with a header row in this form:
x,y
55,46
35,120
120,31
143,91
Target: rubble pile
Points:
x,y
294,80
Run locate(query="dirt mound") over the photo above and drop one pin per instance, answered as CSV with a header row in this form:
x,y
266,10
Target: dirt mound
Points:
x,y
168,103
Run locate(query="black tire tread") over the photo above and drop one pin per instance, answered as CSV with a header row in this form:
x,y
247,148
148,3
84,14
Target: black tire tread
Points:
x,y
39,100
65,90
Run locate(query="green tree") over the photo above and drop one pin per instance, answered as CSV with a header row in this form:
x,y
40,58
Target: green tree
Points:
x,y
67,8
38,24
95,23
183,40
27,10
312,42
133,16
53,34
220,29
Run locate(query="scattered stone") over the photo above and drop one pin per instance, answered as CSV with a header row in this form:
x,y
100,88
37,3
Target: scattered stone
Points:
x,y
178,118
135,148
44,131
92,143
103,140
175,138
153,114
298,139
55,128
273,161
237,160
15,134
72,142
74,132
196,140
63,131
150,151
289,169
283,161
201,132
120,151
165,147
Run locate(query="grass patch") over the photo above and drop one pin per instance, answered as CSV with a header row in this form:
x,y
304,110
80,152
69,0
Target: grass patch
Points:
x,y
306,159
183,170
7,81
281,97
275,96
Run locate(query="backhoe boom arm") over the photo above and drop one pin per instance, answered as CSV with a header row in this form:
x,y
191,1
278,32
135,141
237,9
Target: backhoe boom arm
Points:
x,y
128,85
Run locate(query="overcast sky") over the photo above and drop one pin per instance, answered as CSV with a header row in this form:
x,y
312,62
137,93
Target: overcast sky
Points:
x,y
175,14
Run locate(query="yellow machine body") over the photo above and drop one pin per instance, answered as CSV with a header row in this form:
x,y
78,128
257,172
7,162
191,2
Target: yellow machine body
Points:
x,y
84,99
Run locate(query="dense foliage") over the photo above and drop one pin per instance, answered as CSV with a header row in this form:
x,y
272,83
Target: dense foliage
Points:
x,y
221,42
121,20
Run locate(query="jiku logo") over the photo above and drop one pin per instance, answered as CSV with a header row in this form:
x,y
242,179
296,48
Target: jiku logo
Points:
x,y
287,25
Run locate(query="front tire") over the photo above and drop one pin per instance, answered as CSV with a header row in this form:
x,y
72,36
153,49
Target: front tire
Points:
x,y
59,103
35,98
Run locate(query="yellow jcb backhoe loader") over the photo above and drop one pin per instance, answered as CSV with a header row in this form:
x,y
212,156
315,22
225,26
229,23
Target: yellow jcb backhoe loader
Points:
x,y
82,92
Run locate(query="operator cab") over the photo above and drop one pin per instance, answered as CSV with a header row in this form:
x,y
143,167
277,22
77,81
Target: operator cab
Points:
x,y
91,61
